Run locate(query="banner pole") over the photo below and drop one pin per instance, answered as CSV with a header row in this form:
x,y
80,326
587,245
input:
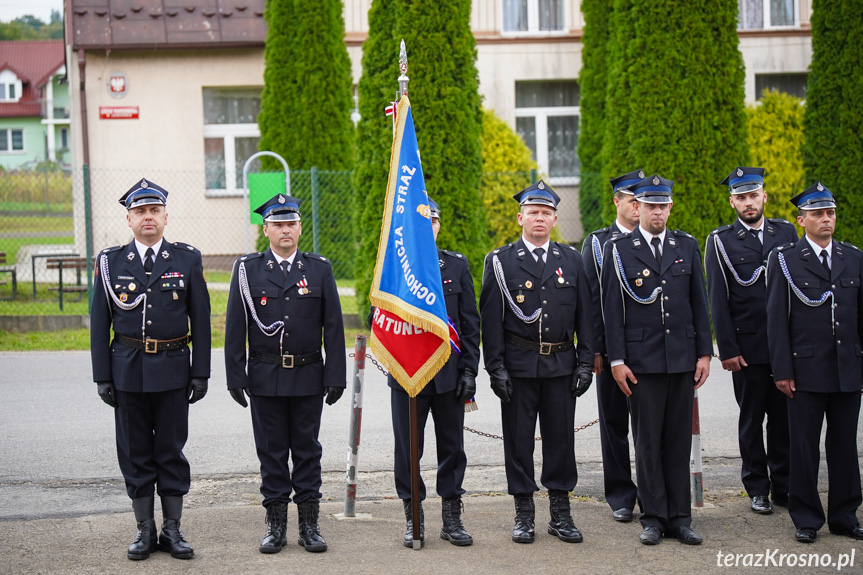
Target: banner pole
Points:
x,y
354,429
415,473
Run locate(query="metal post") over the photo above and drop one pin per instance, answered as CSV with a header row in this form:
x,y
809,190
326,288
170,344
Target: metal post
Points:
x,y
315,219
246,188
354,429
695,468
88,236
415,473
533,178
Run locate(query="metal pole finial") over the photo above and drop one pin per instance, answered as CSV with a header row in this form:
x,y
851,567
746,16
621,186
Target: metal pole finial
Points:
x,y
403,68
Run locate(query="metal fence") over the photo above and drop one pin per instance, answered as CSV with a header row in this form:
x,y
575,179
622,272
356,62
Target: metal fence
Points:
x,y
58,215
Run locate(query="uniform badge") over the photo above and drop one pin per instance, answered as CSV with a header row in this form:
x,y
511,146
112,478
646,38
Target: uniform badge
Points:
x,y
641,174
165,254
820,187
281,199
300,265
302,284
639,282
655,180
132,286
519,298
559,273
270,264
540,185
264,300
123,297
560,280
440,262
144,184
646,272
175,296
528,284
130,256
739,172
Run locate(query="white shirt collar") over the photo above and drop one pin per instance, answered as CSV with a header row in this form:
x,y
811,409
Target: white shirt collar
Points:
x,y
280,259
648,236
817,249
142,249
748,227
621,227
531,247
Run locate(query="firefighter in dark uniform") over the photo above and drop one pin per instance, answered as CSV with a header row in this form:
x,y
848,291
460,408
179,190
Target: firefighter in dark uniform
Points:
x,y
151,292
657,332
285,303
535,299
620,490
734,260
814,331
445,397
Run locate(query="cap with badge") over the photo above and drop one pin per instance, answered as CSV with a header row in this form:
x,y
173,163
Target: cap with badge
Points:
x,y
623,183
538,194
653,190
280,208
434,209
744,180
144,193
815,197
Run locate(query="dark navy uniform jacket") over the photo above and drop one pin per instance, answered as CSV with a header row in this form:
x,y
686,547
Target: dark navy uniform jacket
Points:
x,y
803,344
740,312
591,253
461,308
670,334
563,294
176,300
310,318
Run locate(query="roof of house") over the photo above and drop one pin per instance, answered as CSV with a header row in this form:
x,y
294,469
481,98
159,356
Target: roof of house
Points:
x,y
34,62
164,24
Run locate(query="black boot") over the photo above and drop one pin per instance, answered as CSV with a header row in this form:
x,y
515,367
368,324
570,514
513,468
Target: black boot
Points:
x,y
310,534
523,531
453,529
171,539
277,528
561,524
145,540
409,524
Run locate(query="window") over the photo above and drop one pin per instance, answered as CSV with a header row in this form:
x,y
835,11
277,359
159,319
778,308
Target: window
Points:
x,y
794,84
10,87
760,14
230,136
11,141
64,139
533,16
547,121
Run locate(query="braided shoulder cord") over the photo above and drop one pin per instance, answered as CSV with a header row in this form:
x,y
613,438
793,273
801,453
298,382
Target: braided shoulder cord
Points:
x,y
597,251
268,330
501,282
720,249
106,284
802,297
621,275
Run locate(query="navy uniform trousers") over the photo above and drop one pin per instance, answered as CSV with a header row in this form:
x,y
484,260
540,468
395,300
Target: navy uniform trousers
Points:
x,y
660,342
152,415
739,315
438,397
818,346
620,489
540,383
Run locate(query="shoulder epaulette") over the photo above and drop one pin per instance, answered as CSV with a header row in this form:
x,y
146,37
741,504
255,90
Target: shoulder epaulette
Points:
x,y
112,249
315,256
566,245
721,229
779,221
852,246
600,231
620,236
453,254
183,246
681,233
502,249
784,247
251,256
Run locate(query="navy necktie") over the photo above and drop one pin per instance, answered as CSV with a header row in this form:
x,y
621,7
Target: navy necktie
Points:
x,y
657,251
148,260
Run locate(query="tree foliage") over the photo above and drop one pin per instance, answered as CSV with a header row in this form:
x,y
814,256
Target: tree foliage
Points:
x,y
675,102
30,27
833,122
775,135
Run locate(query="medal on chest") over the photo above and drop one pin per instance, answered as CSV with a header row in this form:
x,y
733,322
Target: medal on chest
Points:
x,y
302,286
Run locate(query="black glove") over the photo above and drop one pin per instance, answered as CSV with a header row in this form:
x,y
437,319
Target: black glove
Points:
x,y
501,385
333,394
106,391
197,389
581,379
239,395
465,388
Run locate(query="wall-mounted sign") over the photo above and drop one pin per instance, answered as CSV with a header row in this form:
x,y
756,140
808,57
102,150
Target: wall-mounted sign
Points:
x,y
118,112
118,84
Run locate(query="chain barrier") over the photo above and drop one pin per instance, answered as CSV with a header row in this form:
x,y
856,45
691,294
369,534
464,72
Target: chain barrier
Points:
x,y
468,429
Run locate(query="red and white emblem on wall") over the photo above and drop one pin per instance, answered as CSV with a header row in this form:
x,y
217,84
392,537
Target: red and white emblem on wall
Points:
x,y
118,84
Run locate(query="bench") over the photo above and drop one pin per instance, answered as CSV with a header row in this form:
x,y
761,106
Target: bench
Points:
x,y
68,263
12,272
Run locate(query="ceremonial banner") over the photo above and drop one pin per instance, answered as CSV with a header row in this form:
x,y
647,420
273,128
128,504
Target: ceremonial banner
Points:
x,y
410,333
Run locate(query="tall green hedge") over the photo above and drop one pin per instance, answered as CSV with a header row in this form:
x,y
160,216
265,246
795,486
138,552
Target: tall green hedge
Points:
x,y
833,123
592,82
444,93
675,104
775,135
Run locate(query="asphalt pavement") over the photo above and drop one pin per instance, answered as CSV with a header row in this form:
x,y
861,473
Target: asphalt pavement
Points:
x,y
63,506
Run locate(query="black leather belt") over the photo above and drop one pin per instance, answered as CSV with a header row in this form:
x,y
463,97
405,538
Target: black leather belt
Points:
x,y
286,361
152,345
543,348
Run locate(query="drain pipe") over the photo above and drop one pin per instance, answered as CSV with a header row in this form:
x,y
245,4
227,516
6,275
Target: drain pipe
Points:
x,y
85,140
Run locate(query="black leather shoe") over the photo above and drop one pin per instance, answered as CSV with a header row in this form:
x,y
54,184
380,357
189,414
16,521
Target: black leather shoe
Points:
x,y
806,535
623,515
650,536
561,524
855,532
276,536
761,505
409,524
171,539
146,538
687,536
525,512
310,537
780,499
453,529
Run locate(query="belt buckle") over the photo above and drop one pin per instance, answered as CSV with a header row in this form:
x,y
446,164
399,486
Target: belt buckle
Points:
x,y
544,348
150,345
288,361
